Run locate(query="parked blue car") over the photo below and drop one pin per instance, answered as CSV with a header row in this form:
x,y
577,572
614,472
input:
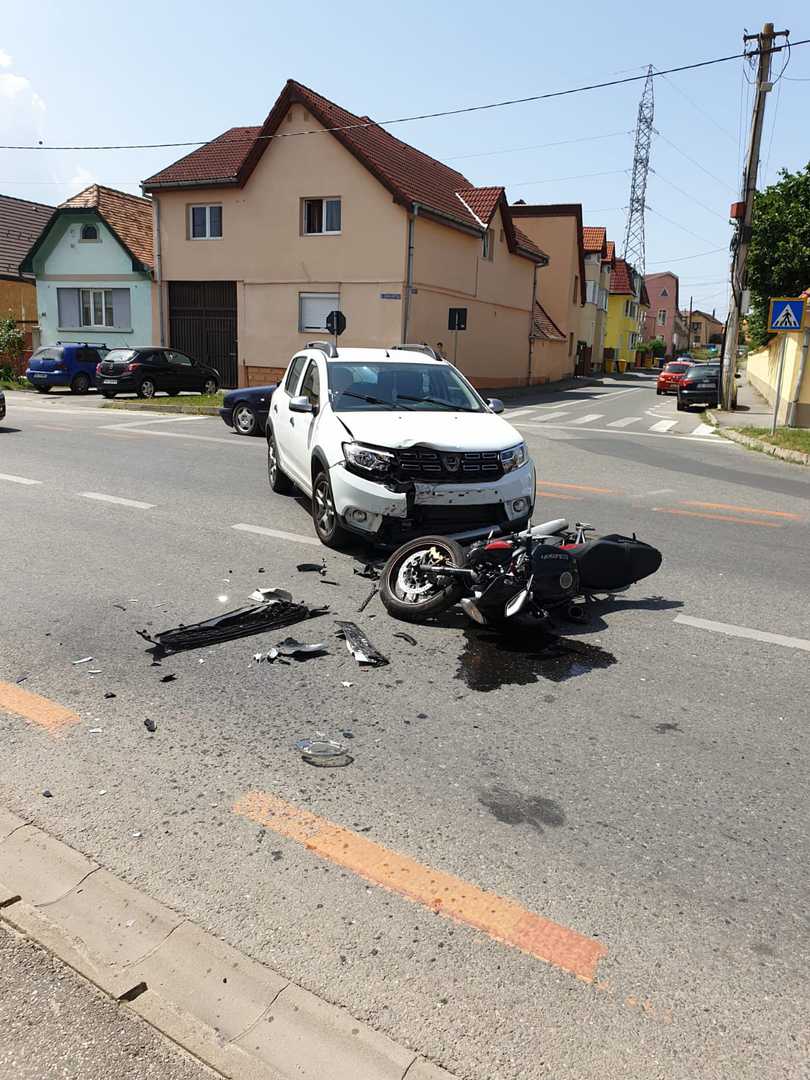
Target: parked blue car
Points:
x,y
70,364
246,410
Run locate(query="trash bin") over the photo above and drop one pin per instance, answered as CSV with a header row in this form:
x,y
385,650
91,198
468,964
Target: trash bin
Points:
x,y
622,366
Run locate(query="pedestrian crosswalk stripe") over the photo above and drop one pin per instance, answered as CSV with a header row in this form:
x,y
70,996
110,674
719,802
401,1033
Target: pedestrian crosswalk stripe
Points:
x,y
663,425
703,429
548,416
588,418
625,421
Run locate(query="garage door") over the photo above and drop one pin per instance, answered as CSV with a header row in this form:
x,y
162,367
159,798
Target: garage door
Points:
x,y
202,323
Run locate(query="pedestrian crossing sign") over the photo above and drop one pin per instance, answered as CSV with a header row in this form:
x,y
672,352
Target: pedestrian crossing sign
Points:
x,y
786,314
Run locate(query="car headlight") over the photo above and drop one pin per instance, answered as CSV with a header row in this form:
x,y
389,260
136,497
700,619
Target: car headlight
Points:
x,y
367,458
514,457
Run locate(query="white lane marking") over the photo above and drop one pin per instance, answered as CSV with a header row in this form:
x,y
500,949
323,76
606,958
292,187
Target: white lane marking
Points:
x,y
663,425
625,421
18,479
116,499
713,441
617,393
278,534
660,491
744,632
588,418
182,435
704,429
517,412
155,420
549,416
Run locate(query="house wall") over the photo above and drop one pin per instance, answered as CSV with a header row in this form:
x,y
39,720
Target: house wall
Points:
x,y
656,283
763,369
18,299
66,261
619,327
701,329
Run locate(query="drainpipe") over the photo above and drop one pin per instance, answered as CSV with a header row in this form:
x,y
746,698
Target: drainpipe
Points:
x,y
406,318
531,324
159,269
794,401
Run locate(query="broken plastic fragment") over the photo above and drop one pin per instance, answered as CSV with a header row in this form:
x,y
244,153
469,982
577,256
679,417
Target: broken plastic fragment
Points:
x,y
359,646
22,678
109,694
137,835
262,596
347,684
368,570
150,725
84,660
94,671
324,753
290,647
406,637
368,599
47,794
311,568
94,730
168,678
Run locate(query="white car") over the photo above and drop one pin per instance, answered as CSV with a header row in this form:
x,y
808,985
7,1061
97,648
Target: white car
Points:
x,y
395,442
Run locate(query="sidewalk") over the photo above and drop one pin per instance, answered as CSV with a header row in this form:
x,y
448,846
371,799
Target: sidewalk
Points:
x,y
752,410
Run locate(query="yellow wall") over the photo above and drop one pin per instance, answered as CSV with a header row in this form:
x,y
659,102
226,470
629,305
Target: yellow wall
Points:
x,y
619,327
763,368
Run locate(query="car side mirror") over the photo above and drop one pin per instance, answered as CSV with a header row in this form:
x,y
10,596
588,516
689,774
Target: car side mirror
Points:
x,y
737,375
301,404
495,404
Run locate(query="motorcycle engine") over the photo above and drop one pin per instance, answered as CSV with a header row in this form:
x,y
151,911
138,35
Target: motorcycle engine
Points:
x,y
556,576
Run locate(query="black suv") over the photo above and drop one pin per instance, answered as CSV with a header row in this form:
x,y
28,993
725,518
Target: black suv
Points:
x,y
701,386
146,371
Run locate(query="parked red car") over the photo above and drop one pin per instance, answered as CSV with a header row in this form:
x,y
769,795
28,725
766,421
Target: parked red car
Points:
x,y
672,376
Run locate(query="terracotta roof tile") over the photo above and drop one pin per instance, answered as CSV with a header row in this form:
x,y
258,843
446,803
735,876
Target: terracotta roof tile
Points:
x,y
220,159
543,326
483,201
21,222
620,279
129,216
594,238
611,252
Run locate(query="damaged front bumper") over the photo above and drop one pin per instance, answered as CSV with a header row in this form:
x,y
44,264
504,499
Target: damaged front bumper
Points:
x,y
390,513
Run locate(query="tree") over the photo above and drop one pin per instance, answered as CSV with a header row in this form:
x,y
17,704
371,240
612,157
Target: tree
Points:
x,y
779,256
12,340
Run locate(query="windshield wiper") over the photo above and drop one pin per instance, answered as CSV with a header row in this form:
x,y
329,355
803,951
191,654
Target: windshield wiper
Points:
x,y
374,400
437,401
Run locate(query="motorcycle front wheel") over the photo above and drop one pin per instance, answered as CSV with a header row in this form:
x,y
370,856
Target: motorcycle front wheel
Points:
x,y
407,592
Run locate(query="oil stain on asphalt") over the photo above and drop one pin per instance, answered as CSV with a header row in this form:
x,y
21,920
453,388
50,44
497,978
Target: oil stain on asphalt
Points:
x,y
490,660
513,808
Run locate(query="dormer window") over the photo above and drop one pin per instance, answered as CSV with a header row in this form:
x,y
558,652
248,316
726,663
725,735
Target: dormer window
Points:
x,y
89,232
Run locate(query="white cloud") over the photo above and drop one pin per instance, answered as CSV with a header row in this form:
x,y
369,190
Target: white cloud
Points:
x,y
81,179
12,86
5,59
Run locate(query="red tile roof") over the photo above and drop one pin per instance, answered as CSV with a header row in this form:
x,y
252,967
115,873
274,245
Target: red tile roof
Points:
x,y
594,239
411,176
611,252
129,217
620,279
21,222
543,326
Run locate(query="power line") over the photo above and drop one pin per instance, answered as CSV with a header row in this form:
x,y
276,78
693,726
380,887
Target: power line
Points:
x,y
427,116
685,258
773,129
678,225
693,161
686,194
553,179
699,108
538,146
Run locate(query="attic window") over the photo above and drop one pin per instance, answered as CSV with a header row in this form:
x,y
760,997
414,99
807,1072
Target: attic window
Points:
x,y
89,232
665,292
488,245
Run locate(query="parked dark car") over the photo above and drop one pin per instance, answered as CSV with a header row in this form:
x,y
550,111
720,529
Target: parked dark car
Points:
x,y
147,371
66,363
2,405
701,386
245,410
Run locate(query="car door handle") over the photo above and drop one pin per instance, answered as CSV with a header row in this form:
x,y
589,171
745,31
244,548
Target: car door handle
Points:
x,y
275,408
292,421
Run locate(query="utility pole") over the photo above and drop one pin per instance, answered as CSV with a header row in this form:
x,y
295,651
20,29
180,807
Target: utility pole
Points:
x,y
742,237
689,329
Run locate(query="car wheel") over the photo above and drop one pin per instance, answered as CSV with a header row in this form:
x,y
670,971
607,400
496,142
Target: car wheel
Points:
x,y
80,384
279,481
244,420
147,388
659,392
109,395
324,514
43,389
210,387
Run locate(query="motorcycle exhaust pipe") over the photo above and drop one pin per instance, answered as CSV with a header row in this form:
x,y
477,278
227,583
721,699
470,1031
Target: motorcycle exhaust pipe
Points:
x,y
470,608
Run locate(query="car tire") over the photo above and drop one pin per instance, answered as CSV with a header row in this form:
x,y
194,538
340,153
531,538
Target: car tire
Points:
x,y
659,392
109,395
680,406
440,600
43,389
279,481
210,387
324,514
147,389
80,383
244,420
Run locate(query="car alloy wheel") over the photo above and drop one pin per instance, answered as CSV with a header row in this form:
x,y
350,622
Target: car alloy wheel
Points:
x,y
147,389
244,420
210,387
324,506
80,384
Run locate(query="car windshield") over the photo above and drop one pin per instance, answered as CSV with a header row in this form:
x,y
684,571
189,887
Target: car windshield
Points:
x,y
119,356
429,387
703,371
677,369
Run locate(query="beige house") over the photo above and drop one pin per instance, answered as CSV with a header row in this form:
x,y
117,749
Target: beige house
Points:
x,y
557,229
599,258
262,232
701,328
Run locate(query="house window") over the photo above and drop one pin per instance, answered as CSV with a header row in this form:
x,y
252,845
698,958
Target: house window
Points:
x,y
320,216
97,307
630,309
313,309
205,222
488,244
662,316
93,308
89,232
603,299
592,292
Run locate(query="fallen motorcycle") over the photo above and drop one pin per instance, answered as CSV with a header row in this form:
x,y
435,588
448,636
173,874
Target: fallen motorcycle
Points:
x,y
544,569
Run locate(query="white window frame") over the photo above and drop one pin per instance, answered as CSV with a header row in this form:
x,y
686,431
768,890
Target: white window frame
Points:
x,y
303,297
591,292
93,325
662,316
323,201
207,208
488,245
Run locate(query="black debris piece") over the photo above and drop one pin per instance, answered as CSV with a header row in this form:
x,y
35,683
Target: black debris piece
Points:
x,y
368,599
368,570
347,734
260,570
312,567
168,678
254,619
264,596
47,794
406,637
150,725
156,663
290,647
22,678
110,694
326,581
120,607
359,646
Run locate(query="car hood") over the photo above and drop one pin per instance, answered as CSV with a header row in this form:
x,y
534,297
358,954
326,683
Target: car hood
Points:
x,y
437,430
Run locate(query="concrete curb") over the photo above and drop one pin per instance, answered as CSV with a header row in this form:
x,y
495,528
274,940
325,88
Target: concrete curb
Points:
x,y
139,406
781,452
237,1016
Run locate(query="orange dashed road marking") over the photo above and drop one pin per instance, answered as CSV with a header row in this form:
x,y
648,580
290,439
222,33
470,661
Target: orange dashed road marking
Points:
x,y
579,487
743,509
504,920
557,495
718,517
37,710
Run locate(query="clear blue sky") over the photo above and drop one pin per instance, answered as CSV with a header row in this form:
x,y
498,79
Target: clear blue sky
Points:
x,y
98,73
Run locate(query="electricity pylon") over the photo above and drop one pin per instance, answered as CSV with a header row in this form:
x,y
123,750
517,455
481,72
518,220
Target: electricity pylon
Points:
x,y
634,251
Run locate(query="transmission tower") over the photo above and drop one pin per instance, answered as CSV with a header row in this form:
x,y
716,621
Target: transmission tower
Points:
x,y
634,235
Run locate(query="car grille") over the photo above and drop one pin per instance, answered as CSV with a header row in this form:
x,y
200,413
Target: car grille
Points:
x,y
442,466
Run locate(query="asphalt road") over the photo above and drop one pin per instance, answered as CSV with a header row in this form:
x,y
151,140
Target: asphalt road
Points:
x,y
643,784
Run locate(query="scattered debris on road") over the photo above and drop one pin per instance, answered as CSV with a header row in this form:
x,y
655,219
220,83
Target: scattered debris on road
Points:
x,y
368,570
168,678
290,647
323,753
312,567
368,599
120,607
150,725
47,794
94,731
84,660
137,835
264,596
110,694
359,646
406,637
347,684
22,678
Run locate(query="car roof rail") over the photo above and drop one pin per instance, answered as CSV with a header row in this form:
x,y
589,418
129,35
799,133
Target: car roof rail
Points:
x,y
326,347
426,349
